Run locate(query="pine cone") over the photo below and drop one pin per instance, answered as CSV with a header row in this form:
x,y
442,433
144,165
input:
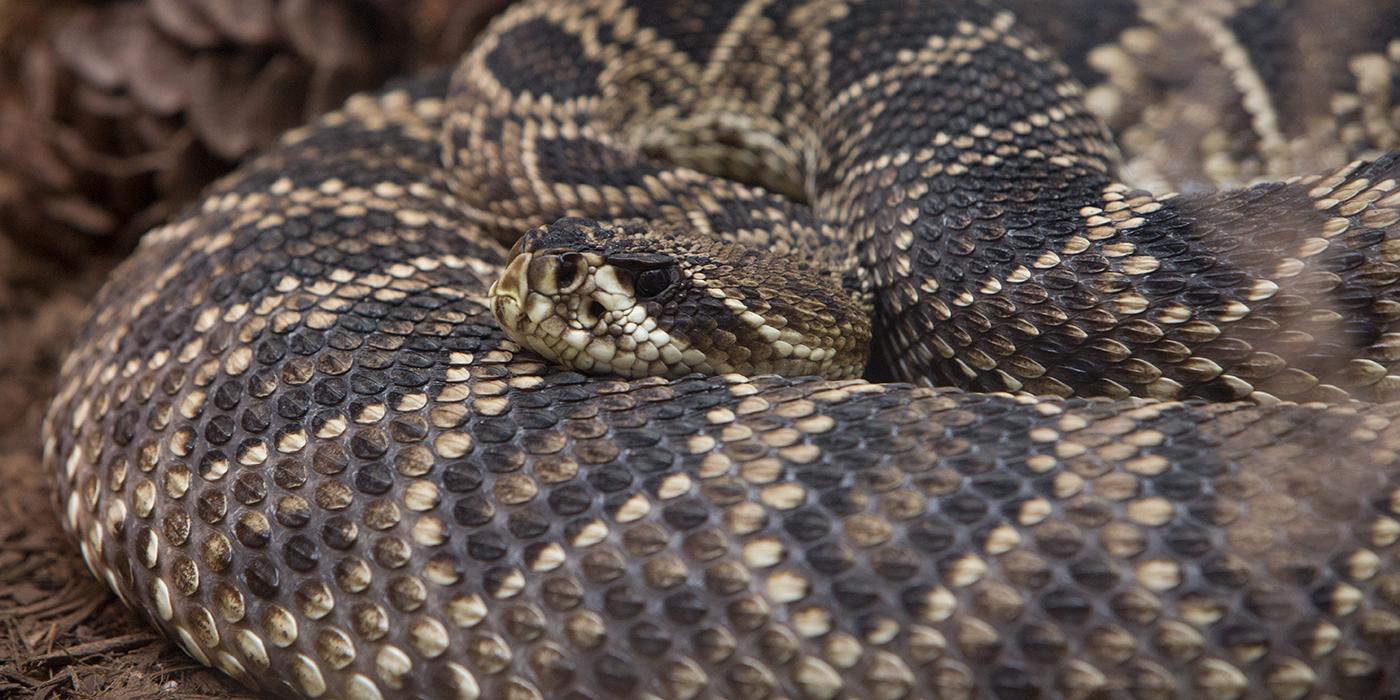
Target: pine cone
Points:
x,y
114,114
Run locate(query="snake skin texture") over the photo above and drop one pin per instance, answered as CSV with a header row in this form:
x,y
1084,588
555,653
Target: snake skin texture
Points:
x,y
294,438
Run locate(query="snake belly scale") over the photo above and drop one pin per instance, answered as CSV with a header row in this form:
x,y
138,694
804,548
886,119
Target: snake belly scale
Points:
x,y
294,437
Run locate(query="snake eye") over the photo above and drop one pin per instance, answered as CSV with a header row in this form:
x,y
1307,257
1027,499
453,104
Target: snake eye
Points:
x,y
652,282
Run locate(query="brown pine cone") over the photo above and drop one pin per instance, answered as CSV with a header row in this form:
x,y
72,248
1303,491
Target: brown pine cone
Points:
x,y
115,113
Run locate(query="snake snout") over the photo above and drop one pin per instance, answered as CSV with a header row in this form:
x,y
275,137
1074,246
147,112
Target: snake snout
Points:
x,y
508,294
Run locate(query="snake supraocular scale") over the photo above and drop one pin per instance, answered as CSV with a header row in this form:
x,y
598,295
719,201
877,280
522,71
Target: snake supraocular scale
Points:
x,y
294,437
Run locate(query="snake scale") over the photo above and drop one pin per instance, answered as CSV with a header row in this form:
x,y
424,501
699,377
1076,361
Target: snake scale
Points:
x,y
295,438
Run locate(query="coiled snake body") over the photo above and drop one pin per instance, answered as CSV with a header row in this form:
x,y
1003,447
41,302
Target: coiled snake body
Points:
x,y
295,438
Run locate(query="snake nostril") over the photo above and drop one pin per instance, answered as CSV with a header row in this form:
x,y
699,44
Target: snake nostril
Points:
x,y
566,270
596,309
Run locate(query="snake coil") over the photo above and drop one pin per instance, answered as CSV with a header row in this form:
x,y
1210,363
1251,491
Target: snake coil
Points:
x,y
294,437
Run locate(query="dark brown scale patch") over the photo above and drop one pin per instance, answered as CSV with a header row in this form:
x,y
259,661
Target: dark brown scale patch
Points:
x,y
261,576
249,488
551,60
691,30
1075,29
579,161
864,42
301,553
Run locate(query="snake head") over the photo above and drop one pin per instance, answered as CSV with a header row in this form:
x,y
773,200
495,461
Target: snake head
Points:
x,y
637,300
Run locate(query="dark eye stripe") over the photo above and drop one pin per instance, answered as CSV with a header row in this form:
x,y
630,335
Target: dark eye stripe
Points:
x,y
639,261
